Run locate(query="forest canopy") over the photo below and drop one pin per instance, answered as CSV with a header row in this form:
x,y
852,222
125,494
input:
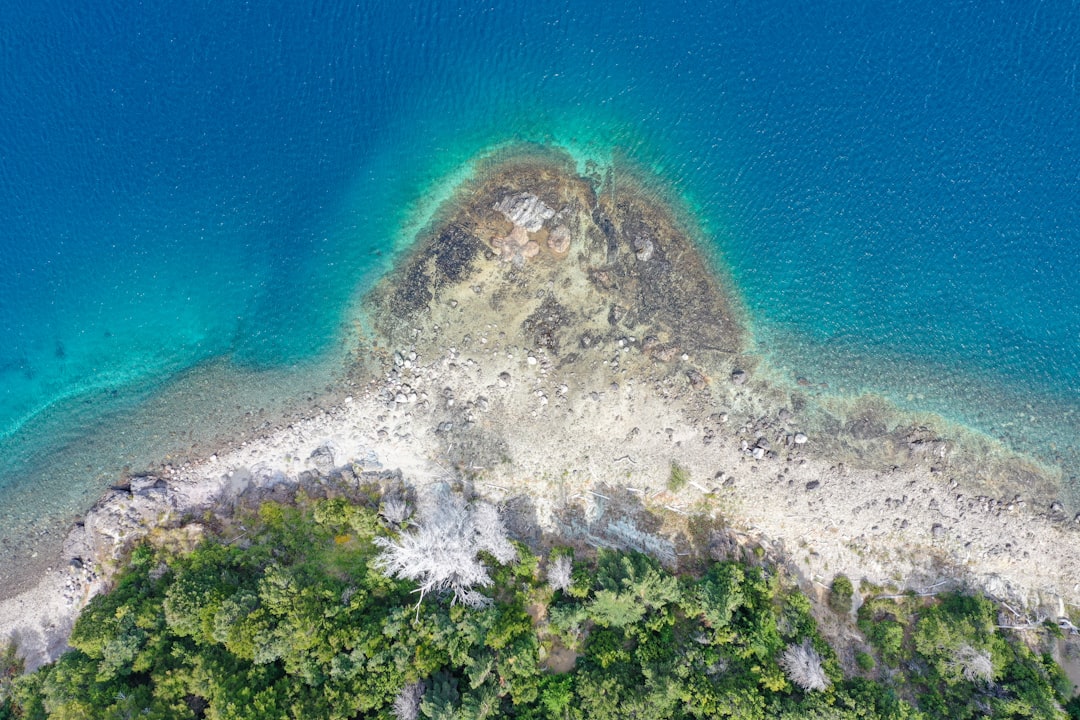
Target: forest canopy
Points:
x,y
337,608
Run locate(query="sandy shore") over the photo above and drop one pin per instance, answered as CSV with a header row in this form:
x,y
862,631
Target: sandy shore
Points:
x,y
568,382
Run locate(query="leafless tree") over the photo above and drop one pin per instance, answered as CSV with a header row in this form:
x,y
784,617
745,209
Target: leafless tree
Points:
x,y
974,665
560,573
802,664
407,702
491,532
441,552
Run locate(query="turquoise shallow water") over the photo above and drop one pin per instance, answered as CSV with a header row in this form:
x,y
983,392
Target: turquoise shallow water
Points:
x,y
200,191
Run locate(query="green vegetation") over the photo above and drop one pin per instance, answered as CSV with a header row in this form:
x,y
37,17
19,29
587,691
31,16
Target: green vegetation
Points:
x,y
840,594
957,664
297,619
678,478
10,668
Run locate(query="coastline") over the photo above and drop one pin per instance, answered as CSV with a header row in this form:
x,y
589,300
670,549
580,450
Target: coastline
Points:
x,y
571,381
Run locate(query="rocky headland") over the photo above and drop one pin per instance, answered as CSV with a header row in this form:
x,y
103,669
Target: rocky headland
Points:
x,y
554,341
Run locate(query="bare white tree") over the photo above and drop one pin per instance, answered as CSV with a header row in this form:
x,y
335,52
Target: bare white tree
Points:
x,y
441,552
560,573
491,533
973,664
802,665
407,703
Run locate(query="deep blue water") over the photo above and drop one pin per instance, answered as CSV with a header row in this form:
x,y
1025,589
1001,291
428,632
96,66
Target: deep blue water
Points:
x,y
894,187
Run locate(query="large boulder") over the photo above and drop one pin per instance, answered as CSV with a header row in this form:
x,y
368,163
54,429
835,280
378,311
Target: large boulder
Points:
x,y
525,210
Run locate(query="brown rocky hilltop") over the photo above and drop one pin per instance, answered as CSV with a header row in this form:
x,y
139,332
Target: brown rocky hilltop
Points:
x,y
554,341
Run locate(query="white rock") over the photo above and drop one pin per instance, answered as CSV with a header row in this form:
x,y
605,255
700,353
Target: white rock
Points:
x,y
525,210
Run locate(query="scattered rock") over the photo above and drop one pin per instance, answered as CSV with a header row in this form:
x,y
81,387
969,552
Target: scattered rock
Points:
x,y
813,485
615,314
697,380
738,376
664,352
800,438
1056,507
938,530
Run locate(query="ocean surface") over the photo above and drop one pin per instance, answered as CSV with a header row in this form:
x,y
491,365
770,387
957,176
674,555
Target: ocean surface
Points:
x,y
193,195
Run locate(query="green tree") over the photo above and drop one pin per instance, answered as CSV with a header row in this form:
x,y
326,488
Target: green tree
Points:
x,y
840,594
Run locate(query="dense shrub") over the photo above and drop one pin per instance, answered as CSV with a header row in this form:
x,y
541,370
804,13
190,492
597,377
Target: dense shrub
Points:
x,y
840,594
303,622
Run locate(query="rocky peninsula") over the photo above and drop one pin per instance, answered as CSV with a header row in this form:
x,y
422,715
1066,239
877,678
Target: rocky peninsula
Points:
x,y
555,341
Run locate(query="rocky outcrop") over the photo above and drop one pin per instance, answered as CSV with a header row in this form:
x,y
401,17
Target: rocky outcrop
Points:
x,y
525,210
516,247
559,240
643,248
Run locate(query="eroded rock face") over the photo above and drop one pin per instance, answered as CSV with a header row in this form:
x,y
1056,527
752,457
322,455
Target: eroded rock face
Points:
x,y
559,240
525,210
516,247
